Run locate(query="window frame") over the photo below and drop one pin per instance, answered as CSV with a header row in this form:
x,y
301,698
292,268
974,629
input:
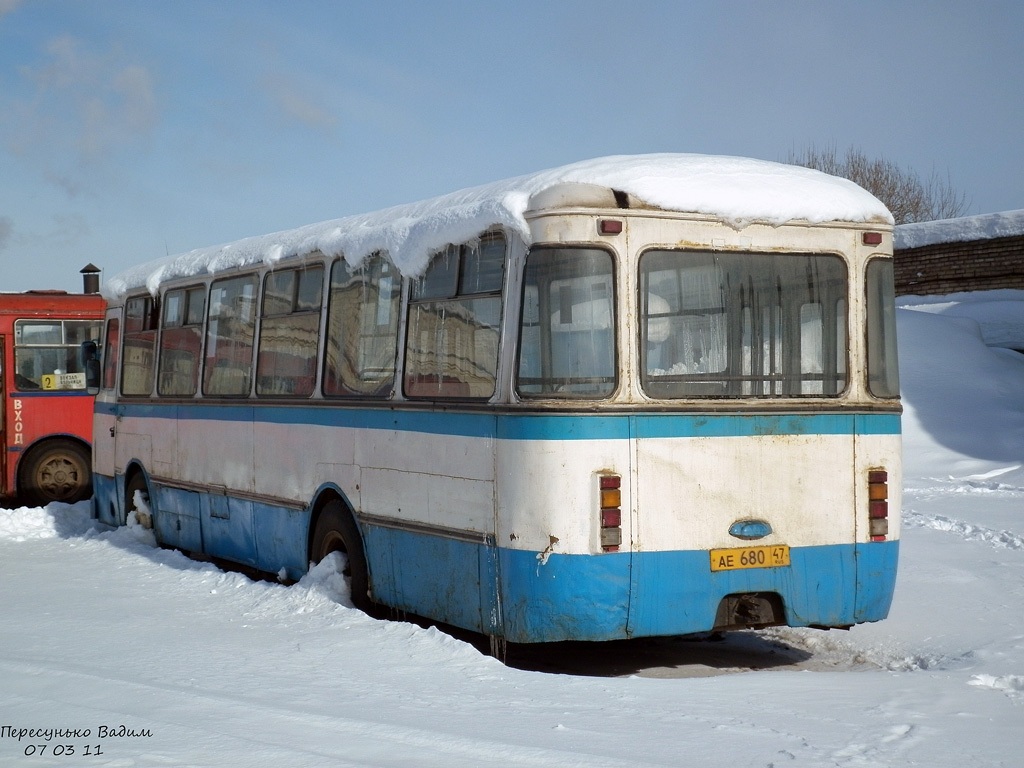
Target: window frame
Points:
x,y
452,307
139,331
212,346
563,390
760,355
299,317
186,326
67,348
881,367
362,318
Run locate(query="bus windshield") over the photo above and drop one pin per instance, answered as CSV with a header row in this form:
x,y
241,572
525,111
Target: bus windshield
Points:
x,y
47,353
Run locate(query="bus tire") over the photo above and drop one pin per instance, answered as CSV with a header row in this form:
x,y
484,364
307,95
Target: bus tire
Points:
x,y
144,515
57,470
336,532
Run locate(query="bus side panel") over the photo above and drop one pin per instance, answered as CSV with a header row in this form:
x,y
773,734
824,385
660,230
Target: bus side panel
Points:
x,y
280,535
215,446
433,576
228,528
555,597
879,445
178,520
876,579
442,498
106,499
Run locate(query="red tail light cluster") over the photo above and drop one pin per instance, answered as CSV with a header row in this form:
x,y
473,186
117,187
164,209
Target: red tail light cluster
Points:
x,y
611,512
878,504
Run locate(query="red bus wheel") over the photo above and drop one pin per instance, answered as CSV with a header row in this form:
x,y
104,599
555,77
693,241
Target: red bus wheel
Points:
x,y
58,470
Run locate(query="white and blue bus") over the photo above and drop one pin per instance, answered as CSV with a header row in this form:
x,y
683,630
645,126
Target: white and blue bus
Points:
x,y
635,396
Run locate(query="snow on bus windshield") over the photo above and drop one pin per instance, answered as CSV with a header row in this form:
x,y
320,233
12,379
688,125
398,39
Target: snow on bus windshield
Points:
x,y
737,190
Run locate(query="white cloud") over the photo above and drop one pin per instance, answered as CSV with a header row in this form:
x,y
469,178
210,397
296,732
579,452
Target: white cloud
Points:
x,y
288,95
85,107
6,6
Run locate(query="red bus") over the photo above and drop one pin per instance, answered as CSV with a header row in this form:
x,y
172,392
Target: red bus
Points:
x,y
46,413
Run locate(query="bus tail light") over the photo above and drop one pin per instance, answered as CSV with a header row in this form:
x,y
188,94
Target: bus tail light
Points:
x,y
611,512
878,504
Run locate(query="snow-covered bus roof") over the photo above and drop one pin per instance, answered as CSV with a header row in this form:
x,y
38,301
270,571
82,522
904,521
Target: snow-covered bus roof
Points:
x,y
737,190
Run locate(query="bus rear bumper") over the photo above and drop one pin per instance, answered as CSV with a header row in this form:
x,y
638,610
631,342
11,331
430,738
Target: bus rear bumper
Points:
x,y
649,594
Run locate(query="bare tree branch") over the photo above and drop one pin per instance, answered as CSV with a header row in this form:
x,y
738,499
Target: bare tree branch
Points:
x,y
907,197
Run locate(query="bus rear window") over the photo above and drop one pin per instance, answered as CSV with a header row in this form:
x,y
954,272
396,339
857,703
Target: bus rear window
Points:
x,y
567,328
742,325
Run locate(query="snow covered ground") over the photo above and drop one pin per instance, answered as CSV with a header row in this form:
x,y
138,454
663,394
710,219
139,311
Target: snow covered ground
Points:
x,y
115,653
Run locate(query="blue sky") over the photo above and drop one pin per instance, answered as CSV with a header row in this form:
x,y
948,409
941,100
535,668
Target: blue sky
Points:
x,y
132,129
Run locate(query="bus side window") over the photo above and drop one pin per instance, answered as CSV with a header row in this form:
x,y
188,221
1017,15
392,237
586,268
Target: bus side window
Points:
x,y
111,352
289,332
362,329
452,344
230,327
883,368
567,328
138,364
180,341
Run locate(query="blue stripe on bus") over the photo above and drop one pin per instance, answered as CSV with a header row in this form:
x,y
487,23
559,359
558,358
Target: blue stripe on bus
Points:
x,y
507,425
617,595
523,595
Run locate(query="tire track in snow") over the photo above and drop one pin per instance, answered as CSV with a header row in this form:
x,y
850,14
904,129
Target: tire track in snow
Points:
x,y
840,653
951,486
1011,685
967,531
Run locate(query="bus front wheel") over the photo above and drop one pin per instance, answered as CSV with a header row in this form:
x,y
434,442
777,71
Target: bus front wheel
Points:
x,y
58,470
336,532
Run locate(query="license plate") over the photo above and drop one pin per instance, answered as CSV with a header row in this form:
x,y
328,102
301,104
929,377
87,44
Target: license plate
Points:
x,y
749,557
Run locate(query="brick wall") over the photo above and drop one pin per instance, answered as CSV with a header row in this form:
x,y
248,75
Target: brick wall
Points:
x,y
975,265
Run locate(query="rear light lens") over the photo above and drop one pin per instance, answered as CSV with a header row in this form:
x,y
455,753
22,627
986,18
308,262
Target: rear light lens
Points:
x,y
871,238
610,516
610,227
878,504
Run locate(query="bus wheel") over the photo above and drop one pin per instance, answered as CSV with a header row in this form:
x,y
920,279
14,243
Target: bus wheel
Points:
x,y
139,505
58,470
336,532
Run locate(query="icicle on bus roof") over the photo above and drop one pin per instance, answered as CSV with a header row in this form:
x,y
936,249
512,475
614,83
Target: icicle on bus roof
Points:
x,y
737,190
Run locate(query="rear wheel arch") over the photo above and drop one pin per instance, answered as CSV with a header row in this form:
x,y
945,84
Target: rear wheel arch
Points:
x,y
136,479
333,528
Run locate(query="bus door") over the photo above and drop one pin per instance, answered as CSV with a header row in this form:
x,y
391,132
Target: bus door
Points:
x,y
107,499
